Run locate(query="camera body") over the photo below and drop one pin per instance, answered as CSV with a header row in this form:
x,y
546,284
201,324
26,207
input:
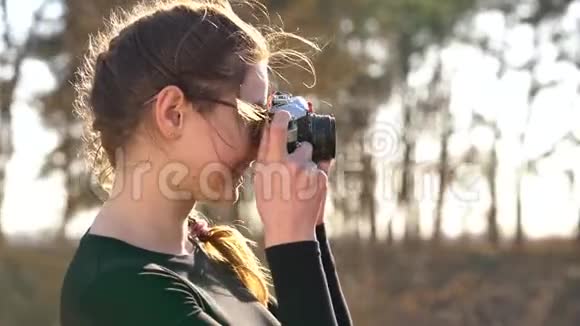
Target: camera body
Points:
x,y
306,126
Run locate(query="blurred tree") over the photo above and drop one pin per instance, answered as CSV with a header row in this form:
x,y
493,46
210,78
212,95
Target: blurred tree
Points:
x,y
541,17
438,99
443,182
492,222
415,25
358,77
368,46
63,53
368,193
12,58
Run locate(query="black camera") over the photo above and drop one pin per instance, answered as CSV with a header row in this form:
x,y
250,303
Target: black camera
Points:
x,y
306,126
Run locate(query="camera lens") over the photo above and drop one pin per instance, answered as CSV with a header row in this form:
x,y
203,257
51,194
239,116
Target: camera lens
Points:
x,y
323,137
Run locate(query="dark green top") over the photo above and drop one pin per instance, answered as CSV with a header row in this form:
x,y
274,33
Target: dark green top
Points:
x,y
110,282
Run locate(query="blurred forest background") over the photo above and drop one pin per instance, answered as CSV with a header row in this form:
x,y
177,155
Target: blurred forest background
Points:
x,y
456,193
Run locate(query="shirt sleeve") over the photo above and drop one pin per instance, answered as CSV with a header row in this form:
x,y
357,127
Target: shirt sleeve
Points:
x,y
152,296
338,301
301,288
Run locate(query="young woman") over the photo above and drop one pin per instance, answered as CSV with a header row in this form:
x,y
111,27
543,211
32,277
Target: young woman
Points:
x,y
173,97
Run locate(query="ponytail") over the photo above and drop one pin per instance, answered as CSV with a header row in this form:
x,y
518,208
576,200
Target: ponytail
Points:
x,y
225,244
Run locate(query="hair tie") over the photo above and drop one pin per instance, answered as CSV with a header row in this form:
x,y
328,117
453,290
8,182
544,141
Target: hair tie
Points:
x,y
198,228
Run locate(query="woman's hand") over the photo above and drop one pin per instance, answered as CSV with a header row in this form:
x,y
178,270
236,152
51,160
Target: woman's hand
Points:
x,y
290,189
324,166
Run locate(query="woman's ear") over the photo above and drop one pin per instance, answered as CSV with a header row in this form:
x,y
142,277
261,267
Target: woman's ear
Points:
x,y
169,110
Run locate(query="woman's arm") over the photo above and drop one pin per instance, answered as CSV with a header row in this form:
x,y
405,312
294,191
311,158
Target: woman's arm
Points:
x,y
290,190
338,301
301,287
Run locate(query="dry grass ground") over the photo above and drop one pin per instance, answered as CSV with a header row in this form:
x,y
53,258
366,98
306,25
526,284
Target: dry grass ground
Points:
x,y
538,285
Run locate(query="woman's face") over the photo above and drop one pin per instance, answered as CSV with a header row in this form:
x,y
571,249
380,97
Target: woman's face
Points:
x,y
216,146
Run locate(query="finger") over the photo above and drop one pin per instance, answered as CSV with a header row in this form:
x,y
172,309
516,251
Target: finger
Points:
x,y
321,209
307,181
326,166
303,153
310,167
322,181
264,141
319,182
278,138
307,173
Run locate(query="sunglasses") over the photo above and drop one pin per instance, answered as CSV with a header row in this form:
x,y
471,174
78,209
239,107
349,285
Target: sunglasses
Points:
x,y
255,126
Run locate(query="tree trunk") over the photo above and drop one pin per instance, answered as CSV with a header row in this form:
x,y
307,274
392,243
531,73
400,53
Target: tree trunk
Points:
x,y
575,189
367,194
406,193
7,92
390,236
443,175
7,89
405,50
6,149
492,226
72,186
67,214
519,239
578,231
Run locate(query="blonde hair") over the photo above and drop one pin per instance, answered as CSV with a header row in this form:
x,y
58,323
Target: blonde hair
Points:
x,y
154,36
